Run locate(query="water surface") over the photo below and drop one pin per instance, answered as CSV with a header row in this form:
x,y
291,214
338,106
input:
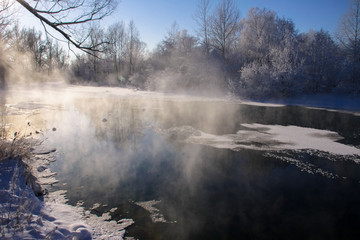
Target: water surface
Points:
x,y
133,154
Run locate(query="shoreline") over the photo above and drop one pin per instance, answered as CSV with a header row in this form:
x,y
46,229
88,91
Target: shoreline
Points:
x,y
29,210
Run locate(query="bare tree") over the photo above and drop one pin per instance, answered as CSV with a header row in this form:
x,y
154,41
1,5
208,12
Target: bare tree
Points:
x,y
118,39
202,18
5,14
65,16
133,34
96,38
135,47
348,33
225,27
321,60
55,55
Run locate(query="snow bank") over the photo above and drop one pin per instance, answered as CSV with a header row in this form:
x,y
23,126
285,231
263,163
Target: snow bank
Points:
x,y
261,104
327,101
23,215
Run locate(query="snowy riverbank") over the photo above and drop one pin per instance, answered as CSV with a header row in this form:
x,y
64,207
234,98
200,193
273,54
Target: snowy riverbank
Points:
x,y
27,216
327,101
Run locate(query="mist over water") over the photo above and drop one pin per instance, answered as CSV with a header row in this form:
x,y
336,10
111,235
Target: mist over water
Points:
x,y
135,152
204,166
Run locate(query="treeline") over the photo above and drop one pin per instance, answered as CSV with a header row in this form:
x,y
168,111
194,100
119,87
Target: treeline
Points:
x,y
26,55
121,55
259,56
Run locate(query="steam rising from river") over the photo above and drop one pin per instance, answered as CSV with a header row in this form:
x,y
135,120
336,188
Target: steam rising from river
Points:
x,y
141,148
118,126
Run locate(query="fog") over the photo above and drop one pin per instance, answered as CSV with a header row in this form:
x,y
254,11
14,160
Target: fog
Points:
x,y
122,147
164,139
263,56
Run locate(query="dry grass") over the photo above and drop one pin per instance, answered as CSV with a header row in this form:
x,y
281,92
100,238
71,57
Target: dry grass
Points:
x,y
15,148
13,145
16,207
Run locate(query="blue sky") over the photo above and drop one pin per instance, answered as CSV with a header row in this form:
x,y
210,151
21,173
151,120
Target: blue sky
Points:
x,y
153,18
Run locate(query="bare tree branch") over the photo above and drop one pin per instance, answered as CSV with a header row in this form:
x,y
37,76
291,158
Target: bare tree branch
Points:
x,y
5,13
64,16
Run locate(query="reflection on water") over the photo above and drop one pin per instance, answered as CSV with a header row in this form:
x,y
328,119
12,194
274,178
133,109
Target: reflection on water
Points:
x,y
131,155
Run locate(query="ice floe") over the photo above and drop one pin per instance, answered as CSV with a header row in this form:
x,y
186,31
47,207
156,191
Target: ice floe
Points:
x,y
276,137
155,215
291,144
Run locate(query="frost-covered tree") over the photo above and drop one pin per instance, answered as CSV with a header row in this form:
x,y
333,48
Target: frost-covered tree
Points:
x,y
287,64
268,46
258,34
321,61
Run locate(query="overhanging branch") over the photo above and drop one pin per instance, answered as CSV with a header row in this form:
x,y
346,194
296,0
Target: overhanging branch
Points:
x,y
98,12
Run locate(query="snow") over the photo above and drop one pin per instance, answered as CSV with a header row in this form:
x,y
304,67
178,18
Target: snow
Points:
x,y
322,101
286,143
155,215
294,137
262,104
25,216
277,137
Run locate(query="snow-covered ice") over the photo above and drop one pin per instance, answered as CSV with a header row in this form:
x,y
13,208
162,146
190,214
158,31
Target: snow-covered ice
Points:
x,y
155,214
286,143
276,137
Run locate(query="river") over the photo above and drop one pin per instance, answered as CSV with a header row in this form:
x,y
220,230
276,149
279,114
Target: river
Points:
x,y
198,168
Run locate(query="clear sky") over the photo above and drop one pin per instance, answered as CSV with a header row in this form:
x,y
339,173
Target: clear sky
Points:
x,y
154,18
